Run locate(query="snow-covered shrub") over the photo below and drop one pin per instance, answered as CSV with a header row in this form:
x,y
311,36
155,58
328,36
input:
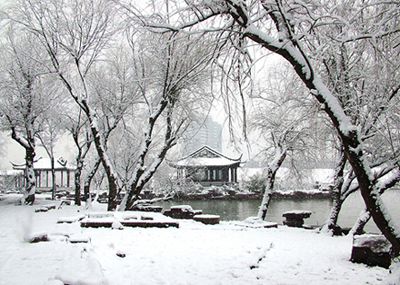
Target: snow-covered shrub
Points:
x,y
255,184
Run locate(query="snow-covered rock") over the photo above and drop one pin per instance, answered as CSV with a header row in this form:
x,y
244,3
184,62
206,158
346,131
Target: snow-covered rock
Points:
x,y
373,250
207,219
81,267
256,222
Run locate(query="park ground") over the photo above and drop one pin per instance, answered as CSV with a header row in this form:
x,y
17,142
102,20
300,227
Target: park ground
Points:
x,y
194,253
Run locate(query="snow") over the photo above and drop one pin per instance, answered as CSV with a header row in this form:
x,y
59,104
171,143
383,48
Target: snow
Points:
x,y
71,219
184,208
297,212
194,253
255,222
323,175
45,163
207,216
206,161
375,242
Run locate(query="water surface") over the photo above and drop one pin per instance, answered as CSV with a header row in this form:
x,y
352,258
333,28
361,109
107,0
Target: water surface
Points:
x,y
238,210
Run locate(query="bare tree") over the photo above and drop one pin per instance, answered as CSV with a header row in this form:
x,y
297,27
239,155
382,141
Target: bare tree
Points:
x,y
26,94
281,115
285,29
347,66
50,130
77,126
74,33
179,73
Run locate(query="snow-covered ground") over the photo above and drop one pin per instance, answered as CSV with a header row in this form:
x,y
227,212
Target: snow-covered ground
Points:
x,y
194,253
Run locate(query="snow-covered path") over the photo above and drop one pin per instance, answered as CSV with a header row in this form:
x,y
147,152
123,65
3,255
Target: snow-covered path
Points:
x,y
193,254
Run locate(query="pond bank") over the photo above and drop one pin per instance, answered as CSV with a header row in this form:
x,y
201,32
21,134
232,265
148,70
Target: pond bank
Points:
x,y
234,195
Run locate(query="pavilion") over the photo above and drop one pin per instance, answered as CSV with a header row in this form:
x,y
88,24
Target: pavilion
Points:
x,y
64,174
208,167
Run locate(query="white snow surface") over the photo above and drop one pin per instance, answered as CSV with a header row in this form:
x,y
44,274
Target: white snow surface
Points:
x,y
298,212
194,253
185,208
206,161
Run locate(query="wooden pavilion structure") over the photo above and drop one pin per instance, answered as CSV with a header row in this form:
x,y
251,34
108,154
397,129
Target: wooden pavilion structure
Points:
x,y
208,167
64,174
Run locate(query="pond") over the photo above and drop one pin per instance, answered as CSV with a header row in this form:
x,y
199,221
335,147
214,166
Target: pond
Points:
x,y
237,210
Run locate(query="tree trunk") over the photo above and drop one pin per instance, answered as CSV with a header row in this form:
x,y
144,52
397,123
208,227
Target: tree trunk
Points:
x,y
112,194
77,182
100,144
30,178
111,175
53,175
141,175
372,198
29,196
280,155
331,223
88,180
262,212
362,220
337,199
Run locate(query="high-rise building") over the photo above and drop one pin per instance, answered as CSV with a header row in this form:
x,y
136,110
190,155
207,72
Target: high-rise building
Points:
x,y
201,133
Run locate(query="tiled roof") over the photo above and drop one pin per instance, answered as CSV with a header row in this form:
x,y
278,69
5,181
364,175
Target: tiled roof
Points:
x,y
206,156
45,163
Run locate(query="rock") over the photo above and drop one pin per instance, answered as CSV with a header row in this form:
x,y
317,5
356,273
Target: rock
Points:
x,y
50,207
99,215
339,231
79,238
65,202
116,225
147,208
167,213
120,253
80,266
129,216
232,192
54,282
256,223
38,237
295,218
146,218
373,250
182,212
70,220
42,209
96,223
150,224
296,214
207,219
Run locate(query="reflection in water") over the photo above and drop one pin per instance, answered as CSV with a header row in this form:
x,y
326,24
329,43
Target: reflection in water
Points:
x,y
236,210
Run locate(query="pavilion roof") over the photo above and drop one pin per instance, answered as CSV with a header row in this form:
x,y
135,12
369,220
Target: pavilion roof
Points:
x,y
206,156
45,164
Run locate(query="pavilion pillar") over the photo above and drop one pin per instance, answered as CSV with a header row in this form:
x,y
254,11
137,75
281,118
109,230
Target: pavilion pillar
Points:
x,y
68,178
39,179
